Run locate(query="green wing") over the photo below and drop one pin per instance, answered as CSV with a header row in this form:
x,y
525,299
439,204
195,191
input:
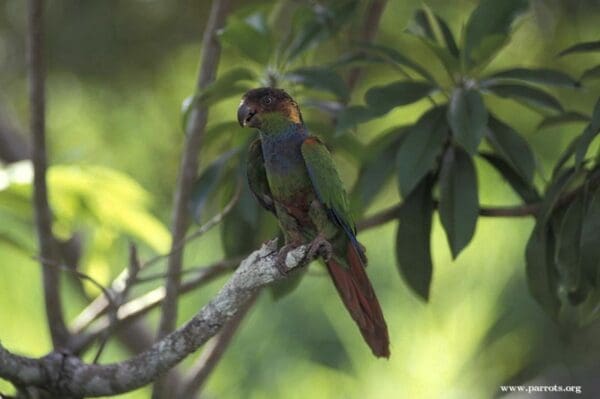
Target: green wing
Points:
x,y
327,184
257,176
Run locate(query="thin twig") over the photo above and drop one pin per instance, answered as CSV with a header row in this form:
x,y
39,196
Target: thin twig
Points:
x,y
133,269
99,305
212,353
37,73
135,308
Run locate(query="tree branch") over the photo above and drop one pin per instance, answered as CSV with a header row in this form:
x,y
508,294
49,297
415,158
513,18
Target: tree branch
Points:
x,y
43,219
67,376
369,30
212,354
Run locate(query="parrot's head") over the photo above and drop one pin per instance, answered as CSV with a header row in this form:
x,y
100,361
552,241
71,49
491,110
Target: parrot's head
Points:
x,y
267,106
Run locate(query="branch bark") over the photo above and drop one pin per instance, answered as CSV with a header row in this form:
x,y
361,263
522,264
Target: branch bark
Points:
x,y
369,30
66,376
212,354
43,220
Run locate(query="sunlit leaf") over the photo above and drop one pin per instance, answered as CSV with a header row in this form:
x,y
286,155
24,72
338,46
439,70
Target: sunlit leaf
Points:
x,y
413,238
320,79
467,117
584,47
488,28
420,149
528,94
459,200
537,75
512,147
383,99
524,189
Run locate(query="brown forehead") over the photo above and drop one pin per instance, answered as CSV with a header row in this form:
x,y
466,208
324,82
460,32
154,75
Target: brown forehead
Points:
x,y
277,94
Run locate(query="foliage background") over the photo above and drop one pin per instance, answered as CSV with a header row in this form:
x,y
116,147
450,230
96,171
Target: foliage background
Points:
x,y
118,72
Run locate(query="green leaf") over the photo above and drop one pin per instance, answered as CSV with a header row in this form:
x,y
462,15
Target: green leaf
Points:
x,y
207,183
541,271
590,237
567,251
383,99
248,39
324,23
395,58
584,47
239,228
355,58
553,193
459,202
590,74
378,168
521,187
435,33
420,149
467,117
512,147
320,79
567,117
353,115
225,86
588,135
528,94
413,239
488,28
540,75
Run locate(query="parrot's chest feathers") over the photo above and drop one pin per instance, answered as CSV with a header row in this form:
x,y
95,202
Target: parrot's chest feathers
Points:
x,y
285,167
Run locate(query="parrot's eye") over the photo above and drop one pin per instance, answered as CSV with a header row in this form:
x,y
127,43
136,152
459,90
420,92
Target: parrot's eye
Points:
x,y
268,100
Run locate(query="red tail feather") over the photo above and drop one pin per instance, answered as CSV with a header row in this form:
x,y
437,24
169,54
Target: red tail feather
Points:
x,y
358,296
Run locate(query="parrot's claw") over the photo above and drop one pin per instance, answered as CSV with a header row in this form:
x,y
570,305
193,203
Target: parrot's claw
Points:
x,y
281,258
319,247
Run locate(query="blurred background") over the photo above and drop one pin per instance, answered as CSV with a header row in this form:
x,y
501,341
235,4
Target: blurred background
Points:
x,y
118,72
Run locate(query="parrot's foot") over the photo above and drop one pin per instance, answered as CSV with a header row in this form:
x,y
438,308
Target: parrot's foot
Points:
x,y
319,247
282,256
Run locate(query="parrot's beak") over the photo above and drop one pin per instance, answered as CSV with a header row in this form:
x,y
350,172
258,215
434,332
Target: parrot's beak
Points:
x,y
247,115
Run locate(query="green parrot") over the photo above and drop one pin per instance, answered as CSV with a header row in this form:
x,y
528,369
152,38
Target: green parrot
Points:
x,y
292,174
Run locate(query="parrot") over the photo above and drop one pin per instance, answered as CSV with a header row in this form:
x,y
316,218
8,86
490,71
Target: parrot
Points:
x,y
292,174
